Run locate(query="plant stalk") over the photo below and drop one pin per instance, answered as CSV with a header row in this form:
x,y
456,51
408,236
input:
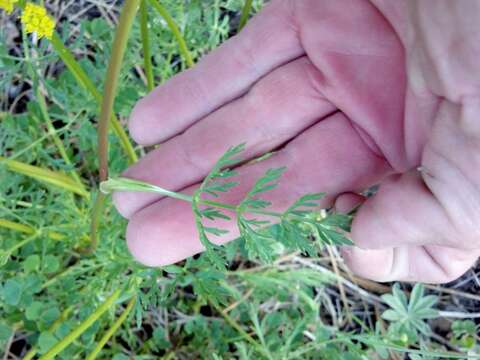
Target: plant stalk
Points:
x,y
147,57
111,81
125,184
112,330
80,329
245,13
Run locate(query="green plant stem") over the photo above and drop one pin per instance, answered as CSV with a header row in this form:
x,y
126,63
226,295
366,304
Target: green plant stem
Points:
x,y
77,71
125,22
182,45
48,176
69,270
95,223
247,6
234,208
84,81
33,351
56,139
44,111
112,330
80,329
28,229
17,227
21,243
125,184
147,57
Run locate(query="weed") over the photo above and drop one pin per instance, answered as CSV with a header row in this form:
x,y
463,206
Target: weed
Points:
x,y
71,290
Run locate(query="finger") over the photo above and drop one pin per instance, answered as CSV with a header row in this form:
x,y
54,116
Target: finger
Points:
x,y
402,213
268,41
330,156
429,264
425,224
438,205
266,117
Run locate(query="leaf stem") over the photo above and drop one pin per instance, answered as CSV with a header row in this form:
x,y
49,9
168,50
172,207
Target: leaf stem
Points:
x,y
126,184
97,210
176,32
80,329
247,209
147,57
21,243
245,13
112,330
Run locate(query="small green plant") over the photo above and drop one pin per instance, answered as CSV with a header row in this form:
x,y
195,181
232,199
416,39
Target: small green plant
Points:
x,y
465,333
408,316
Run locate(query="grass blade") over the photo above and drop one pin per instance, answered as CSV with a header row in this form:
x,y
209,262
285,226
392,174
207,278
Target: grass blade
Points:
x,y
51,177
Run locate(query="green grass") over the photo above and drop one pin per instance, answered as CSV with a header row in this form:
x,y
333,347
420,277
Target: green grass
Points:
x,y
59,296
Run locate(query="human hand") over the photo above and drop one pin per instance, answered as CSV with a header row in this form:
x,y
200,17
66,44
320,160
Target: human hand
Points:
x,y
357,100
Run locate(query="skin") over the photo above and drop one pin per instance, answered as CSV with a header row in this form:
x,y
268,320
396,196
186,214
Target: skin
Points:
x,y
354,93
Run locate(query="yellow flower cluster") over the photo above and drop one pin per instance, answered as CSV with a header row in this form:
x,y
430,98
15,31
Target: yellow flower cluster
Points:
x,y
7,5
36,19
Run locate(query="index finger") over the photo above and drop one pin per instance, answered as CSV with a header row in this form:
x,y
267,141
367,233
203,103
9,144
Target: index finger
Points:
x,y
268,41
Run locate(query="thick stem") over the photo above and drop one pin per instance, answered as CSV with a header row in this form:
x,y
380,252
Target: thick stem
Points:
x,y
111,81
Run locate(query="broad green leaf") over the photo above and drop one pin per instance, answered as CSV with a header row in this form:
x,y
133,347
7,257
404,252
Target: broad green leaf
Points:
x,y
12,292
5,333
45,341
51,264
34,310
31,263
